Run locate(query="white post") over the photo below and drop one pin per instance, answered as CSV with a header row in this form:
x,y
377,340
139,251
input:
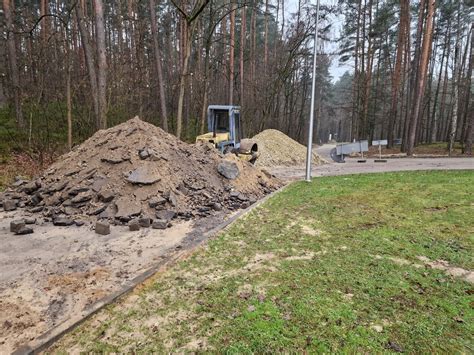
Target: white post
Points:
x,y
309,154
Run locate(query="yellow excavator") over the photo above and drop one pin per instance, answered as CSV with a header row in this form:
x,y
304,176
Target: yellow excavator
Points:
x,y
225,132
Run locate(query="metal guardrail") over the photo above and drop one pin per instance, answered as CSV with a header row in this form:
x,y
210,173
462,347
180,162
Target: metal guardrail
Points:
x,y
355,147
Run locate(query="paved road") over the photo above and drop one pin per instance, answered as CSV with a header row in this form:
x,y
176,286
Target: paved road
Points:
x,y
325,151
351,166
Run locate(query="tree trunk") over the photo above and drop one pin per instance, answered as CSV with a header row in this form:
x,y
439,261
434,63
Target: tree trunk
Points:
x,y
207,51
373,118
282,18
442,106
454,118
469,133
68,89
466,87
455,80
231,54
242,52
404,11
363,129
435,114
406,90
189,29
224,91
182,83
253,45
265,49
12,61
467,146
101,63
206,88
414,75
69,108
158,67
425,134
204,106
355,84
422,69
89,57
401,121
3,98
44,21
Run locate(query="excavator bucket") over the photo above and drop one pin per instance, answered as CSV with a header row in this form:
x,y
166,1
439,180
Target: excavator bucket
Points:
x,y
248,150
248,146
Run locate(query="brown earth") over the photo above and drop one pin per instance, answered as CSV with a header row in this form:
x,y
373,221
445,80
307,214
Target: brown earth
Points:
x,y
277,149
57,273
136,169
132,171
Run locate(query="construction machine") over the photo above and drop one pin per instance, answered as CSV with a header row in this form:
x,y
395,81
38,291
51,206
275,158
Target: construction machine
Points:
x,y
225,132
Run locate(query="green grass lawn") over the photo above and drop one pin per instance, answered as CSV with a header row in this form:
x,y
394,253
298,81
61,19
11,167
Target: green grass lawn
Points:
x,y
327,266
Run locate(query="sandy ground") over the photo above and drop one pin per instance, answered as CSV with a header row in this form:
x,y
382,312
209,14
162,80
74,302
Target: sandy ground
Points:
x,y
351,166
55,273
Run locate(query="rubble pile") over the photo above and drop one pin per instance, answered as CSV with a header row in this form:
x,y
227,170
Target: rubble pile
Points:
x,y
138,171
277,149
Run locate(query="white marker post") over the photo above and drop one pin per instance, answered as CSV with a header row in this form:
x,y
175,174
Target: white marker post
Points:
x,y
380,143
309,154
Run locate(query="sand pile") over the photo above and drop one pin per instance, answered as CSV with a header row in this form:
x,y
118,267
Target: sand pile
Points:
x,y
277,149
137,170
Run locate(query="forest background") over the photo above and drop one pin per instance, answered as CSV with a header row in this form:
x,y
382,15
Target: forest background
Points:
x,y
71,67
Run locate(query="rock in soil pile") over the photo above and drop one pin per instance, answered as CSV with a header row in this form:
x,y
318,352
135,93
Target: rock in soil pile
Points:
x,y
277,149
136,169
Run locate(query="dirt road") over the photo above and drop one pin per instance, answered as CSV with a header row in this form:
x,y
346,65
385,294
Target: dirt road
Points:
x,y
351,166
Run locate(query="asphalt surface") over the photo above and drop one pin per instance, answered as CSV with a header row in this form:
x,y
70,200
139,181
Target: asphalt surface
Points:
x,y
352,166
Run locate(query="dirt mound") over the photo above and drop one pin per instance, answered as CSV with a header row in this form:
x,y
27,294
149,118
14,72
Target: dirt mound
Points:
x,y
136,169
277,149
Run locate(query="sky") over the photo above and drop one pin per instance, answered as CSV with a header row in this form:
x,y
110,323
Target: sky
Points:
x,y
336,70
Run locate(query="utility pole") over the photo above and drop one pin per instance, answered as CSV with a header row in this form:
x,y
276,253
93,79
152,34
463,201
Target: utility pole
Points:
x,y
309,154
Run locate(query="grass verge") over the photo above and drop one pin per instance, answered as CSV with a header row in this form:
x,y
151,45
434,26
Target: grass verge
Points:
x,y
424,149
340,264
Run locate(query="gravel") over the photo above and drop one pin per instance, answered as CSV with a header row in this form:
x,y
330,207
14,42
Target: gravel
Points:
x,y
277,149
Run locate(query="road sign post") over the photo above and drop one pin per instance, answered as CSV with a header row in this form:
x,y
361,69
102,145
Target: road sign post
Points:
x,y
380,143
309,154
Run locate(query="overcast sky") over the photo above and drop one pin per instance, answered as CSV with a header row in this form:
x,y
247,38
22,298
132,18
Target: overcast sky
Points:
x,y
336,70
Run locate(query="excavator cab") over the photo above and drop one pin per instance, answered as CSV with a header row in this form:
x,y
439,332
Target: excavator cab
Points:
x,y
225,132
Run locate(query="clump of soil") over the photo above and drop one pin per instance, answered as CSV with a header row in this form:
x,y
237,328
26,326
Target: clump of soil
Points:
x,y
277,149
136,169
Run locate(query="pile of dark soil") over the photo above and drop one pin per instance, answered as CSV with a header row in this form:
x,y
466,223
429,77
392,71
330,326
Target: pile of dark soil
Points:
x,y
136,169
